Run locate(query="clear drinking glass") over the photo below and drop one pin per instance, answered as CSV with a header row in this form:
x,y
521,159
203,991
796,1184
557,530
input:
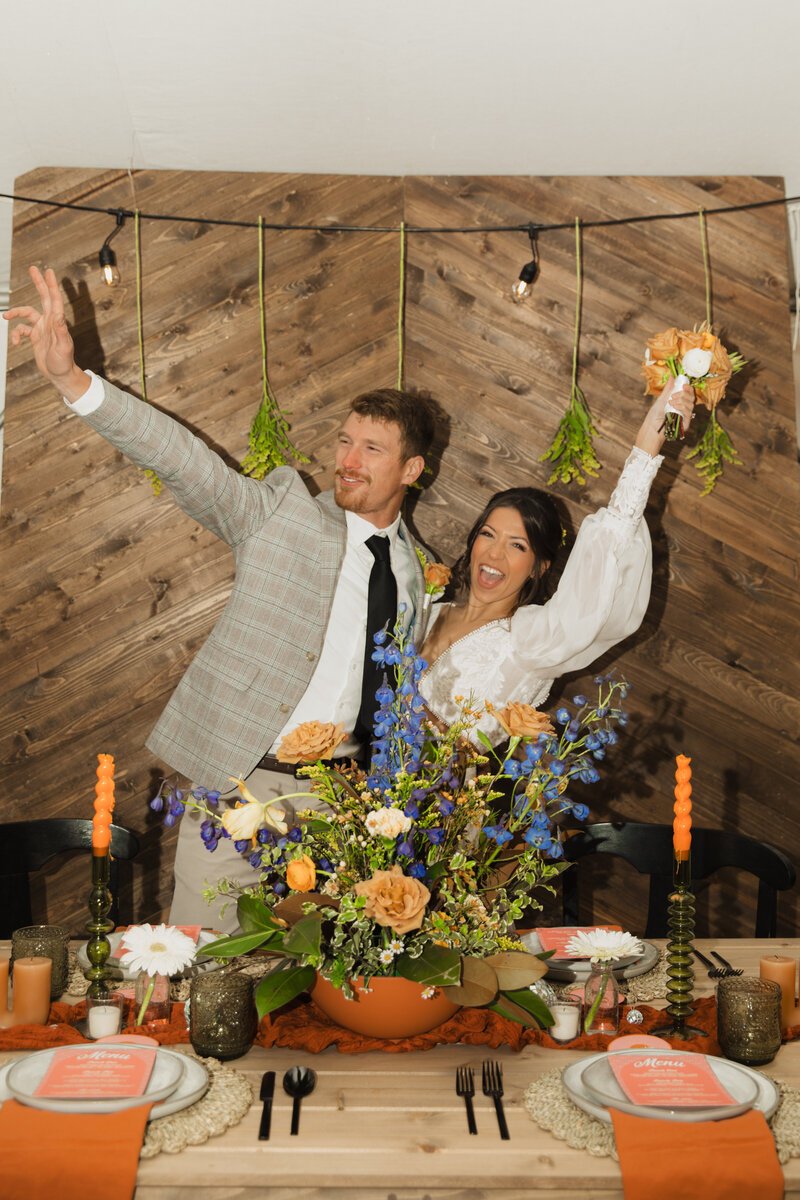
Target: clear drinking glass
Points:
x,y
749,1019
44,941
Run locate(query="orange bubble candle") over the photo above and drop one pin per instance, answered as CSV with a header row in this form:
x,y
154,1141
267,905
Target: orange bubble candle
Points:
x,y
682,823
103,804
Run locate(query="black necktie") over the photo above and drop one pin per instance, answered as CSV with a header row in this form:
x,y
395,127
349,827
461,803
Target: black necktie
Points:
x,y
381,614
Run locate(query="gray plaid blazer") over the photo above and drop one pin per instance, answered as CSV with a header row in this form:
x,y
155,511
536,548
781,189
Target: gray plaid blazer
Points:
x,y
242,685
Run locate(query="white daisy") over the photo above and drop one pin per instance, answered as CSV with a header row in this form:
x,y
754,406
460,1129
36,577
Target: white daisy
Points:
x,y
159,950
429,993
603,945
386,957
396,946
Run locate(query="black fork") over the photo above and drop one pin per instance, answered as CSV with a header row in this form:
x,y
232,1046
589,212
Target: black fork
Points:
x,y
492,1078
465,1087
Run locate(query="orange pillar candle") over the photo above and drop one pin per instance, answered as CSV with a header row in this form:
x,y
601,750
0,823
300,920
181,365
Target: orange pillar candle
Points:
x,y
682,824
4,961
783,971
103,805
31,990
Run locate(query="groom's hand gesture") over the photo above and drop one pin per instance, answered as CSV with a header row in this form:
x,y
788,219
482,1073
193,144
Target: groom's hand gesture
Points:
x,y
52,344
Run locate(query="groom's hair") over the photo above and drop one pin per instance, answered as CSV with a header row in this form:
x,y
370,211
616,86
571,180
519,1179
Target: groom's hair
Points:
x,y
412,414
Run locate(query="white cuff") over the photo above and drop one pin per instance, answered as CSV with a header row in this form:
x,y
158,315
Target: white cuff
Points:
x,y
91,399
632,490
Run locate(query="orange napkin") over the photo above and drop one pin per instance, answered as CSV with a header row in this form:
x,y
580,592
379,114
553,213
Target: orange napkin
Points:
x,y
702,1160
69,1156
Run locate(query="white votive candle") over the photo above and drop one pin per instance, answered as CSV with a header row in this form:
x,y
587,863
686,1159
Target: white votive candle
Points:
x,y
565,1021
104,1019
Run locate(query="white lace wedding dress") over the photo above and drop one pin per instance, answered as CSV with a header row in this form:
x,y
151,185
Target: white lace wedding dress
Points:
x,y
601,599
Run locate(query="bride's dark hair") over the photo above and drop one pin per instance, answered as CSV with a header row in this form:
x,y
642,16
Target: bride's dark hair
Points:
x,y
542,527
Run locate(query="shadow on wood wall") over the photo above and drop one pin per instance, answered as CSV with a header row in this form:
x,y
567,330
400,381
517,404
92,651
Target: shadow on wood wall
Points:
x,y
109,592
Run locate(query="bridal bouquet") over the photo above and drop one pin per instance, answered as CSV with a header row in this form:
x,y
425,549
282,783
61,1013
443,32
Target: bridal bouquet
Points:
x,y
419,864
696,357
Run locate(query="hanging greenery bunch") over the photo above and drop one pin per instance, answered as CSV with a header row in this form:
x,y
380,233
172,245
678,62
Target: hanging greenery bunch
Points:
x,y
270,444
572,449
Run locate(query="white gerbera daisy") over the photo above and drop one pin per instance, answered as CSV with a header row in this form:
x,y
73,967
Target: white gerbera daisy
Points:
x,y
603,945
158,950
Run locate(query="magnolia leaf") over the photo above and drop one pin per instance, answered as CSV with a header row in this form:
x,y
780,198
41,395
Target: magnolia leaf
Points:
x,y
239,943
516,969
437,966
290,910
478,984
513,1012
255,915
304,938
534,1005
282,986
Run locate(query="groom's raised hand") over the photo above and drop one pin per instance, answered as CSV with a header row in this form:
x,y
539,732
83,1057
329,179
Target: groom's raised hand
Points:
x,y
52,344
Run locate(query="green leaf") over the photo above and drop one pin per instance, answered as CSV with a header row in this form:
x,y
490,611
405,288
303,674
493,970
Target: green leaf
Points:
x,y
239,943
255,915
437,966
282,986
303,939
532,1004
484,740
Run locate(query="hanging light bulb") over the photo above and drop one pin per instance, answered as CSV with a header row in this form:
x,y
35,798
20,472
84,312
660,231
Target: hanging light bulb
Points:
x,y
522,287
107,257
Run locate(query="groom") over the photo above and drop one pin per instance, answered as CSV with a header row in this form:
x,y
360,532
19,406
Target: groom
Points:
x,y
290,645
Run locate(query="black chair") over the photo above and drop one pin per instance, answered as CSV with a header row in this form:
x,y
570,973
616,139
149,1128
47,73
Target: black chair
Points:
x,y
649,849
25,846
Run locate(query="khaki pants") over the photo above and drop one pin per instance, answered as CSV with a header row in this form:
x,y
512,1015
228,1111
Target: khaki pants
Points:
x,y
196,867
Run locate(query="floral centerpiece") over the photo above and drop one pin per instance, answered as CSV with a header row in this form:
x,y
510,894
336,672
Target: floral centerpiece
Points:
x,y
420,864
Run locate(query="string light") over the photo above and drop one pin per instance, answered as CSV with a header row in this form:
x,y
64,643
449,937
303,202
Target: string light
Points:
x,y
522,287
107,257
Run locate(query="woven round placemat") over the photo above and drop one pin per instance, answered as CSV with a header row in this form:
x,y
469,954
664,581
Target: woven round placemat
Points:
x,y
225,1104
550,1107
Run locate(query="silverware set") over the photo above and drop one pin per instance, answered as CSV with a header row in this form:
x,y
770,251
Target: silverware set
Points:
x,y
715,972
298,1082
491,1085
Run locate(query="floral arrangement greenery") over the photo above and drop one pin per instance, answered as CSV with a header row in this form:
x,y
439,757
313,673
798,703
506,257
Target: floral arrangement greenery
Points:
x,y
699,357
418,865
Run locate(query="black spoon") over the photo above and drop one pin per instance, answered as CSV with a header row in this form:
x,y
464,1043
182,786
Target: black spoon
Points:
x,y
297,1083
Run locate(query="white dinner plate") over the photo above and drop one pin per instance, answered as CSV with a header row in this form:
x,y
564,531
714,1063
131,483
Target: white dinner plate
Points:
x,y
766,1099
25,1075
576,970
192,1086
114,939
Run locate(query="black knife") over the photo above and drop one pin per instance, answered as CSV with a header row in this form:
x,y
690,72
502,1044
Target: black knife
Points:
x,y
266,1094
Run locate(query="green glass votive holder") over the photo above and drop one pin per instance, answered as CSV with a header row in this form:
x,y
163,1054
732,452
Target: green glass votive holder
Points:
x,y
44,941
749,1019
222,1014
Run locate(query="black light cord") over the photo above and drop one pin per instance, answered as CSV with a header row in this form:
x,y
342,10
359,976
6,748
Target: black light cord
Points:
x,y
529,227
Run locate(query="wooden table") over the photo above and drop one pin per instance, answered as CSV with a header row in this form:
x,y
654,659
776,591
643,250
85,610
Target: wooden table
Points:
x,y
391,1126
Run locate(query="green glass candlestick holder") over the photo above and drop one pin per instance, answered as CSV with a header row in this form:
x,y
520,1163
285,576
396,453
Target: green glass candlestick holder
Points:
x,y
98,947
680,971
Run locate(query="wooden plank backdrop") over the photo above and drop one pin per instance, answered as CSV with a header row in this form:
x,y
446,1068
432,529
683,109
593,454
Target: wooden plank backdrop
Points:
x,y
109,592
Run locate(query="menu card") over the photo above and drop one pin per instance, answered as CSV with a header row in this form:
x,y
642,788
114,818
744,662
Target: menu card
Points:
x,y
669,1080
97,1072
551,938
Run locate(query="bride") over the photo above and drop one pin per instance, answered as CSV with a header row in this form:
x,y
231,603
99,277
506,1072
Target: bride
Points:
x,y
497,643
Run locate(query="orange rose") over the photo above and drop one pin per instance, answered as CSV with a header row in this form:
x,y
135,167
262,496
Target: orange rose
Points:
x,y
310,742
521,720
664,345
301,874
714,390
720,360
655,376
394,900
689,341
437,575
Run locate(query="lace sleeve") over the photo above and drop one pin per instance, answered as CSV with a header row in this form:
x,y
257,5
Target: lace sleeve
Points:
x,y
633,487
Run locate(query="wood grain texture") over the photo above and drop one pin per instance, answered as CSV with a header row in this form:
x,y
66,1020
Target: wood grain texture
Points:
x,y
109,592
